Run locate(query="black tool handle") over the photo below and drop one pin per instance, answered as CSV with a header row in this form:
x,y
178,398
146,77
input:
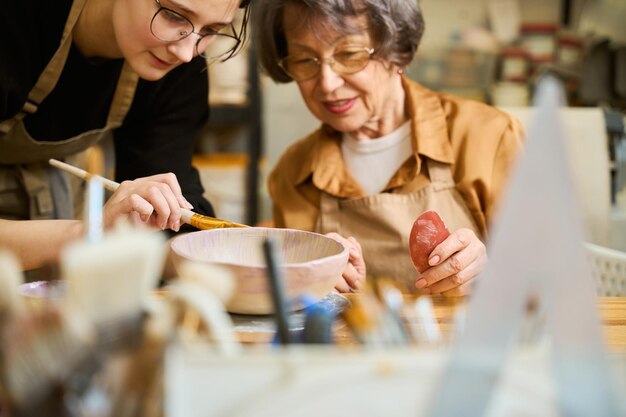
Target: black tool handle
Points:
x,y
276,280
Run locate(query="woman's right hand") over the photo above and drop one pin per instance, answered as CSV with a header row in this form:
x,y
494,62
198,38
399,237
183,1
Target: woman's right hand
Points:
x,y
353,277
155,201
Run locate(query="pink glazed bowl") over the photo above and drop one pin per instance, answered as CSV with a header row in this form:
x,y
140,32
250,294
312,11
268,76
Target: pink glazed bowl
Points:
x,y
311,263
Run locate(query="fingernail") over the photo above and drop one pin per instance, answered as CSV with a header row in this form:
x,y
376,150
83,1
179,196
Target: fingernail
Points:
x,y
421,283
189,205
354,253
434,260
144,217
176,226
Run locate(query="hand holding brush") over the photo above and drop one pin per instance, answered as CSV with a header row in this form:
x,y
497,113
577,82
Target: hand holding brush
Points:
x,y
155,200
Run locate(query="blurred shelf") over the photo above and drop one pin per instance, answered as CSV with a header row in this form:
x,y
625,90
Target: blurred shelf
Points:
x,y
249,117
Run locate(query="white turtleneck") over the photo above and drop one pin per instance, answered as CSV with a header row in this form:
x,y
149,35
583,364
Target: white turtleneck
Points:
x,y
373,162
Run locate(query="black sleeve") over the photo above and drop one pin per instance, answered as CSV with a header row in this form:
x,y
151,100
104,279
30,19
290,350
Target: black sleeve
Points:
x,y
160,130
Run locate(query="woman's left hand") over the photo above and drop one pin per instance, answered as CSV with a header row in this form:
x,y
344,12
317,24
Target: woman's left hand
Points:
x,y
454,264
353,277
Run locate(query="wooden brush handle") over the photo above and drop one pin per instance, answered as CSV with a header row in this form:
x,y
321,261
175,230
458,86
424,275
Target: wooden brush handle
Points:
x,y
188,217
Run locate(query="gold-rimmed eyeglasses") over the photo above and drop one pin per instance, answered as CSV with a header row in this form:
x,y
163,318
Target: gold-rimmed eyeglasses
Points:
x,y
170,26
345,61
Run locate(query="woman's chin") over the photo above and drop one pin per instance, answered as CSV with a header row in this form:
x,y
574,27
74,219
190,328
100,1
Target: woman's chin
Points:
x,y
148,72
151,74
344,126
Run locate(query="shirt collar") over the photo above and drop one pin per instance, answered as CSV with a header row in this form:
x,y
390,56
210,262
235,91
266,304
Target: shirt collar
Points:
x,y
430,138
429,122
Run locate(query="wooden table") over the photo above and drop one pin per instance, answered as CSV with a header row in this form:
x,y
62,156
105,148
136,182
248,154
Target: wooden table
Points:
x,y
612,311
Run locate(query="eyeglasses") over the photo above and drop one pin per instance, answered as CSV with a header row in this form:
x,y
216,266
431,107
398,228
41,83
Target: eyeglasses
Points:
x,y
170,26
345,61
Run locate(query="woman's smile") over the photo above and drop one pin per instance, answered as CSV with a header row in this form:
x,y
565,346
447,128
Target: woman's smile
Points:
x,y
161,64
340,106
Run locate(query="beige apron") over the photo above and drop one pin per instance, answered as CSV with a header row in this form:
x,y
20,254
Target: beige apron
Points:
x,y
29,187
382,223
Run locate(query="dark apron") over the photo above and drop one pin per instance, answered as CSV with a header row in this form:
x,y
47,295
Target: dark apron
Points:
x,y
29,187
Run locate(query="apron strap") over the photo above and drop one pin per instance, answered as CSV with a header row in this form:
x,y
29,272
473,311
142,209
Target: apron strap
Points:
x,y
51,74
38,190
440,174
328,219
123,97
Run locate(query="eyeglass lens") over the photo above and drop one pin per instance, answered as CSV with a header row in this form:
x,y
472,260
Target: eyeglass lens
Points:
x,y
346,61
170,26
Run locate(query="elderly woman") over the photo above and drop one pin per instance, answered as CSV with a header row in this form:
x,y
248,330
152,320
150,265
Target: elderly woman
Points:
x,y
388,148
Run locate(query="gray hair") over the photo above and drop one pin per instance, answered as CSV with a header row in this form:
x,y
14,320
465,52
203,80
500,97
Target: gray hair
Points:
x,y
395,25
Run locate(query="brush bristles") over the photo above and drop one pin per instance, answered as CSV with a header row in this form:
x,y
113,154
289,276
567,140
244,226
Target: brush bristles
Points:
x,y
206,223
38,352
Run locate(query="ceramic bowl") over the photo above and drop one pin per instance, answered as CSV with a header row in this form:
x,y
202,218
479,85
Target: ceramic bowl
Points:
x,y
311,263
43,289
39,294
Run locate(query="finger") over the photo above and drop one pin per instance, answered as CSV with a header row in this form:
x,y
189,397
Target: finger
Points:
x,y
115,208
184,203
451,266
161,205
143,208
342,286
456,280
354,254
354,248
457,241
475,252
356,243
460,291
173,221
352,276
169,179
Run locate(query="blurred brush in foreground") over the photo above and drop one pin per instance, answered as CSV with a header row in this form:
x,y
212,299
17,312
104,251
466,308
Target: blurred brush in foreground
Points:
x,y
39,348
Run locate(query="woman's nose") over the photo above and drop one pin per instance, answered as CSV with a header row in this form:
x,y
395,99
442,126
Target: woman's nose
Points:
x,y
184,49
329,80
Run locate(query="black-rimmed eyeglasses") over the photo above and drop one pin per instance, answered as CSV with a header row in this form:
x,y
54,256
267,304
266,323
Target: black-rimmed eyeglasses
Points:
x,y
170,26
347,60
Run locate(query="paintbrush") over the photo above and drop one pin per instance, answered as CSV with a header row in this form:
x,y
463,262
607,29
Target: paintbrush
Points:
x,y
189,217
276,280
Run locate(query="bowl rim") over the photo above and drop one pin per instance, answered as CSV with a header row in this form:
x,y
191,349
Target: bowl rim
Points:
x,y
343,253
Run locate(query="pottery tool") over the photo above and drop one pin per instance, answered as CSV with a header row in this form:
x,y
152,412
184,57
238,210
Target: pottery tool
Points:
x,y
40,353
200,293
94,216
189,217
275,277
364,318
392,302
318,325
109,277
425,327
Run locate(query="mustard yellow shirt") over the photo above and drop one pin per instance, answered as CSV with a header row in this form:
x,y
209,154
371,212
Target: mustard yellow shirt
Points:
x,y
480,143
